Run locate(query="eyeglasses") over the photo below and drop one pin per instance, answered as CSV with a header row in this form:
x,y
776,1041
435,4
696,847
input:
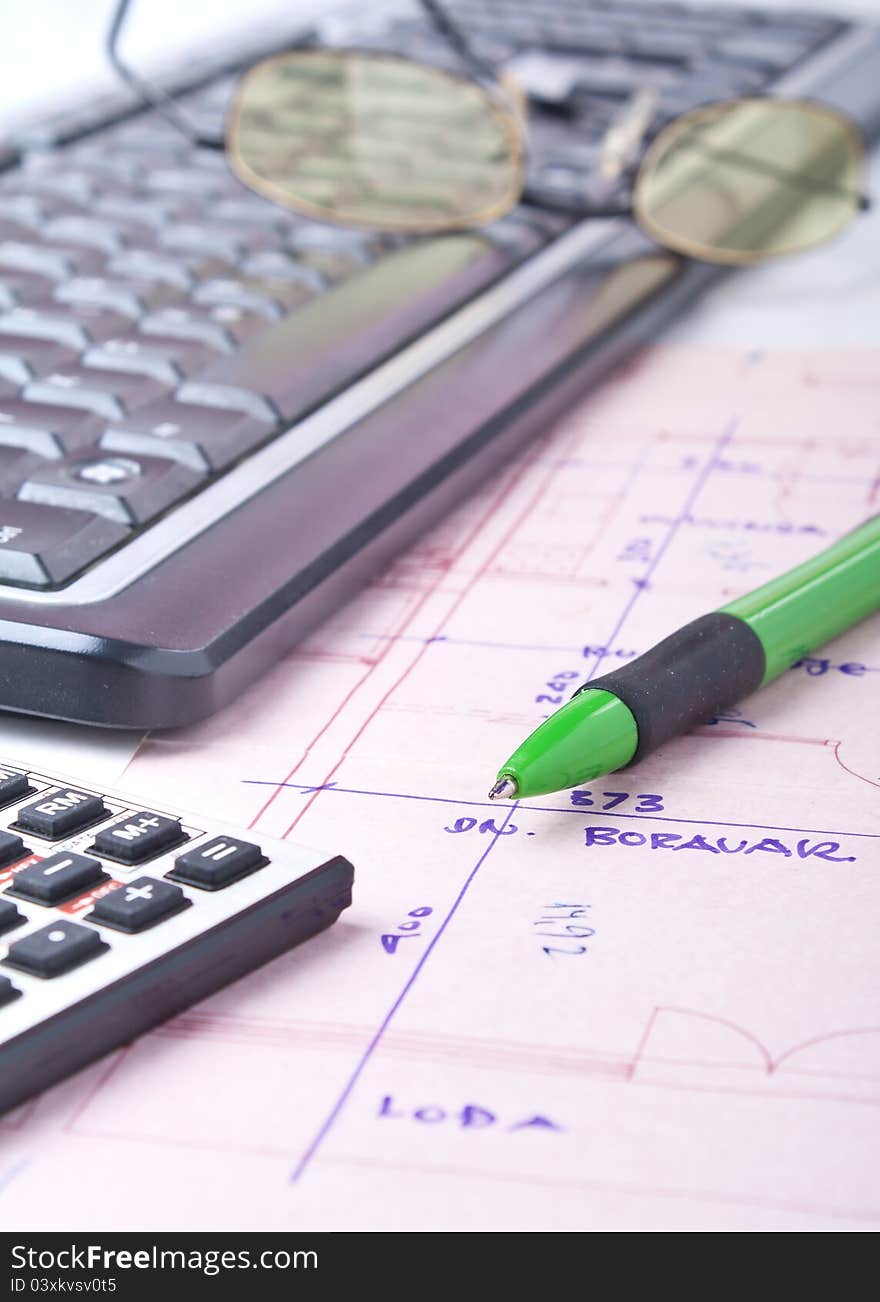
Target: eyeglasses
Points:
x,y
360,138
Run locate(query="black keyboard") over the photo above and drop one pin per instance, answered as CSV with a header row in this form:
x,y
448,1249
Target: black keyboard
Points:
x,y
219,419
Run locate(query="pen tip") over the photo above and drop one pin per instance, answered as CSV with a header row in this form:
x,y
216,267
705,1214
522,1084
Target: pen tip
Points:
x,y
504,789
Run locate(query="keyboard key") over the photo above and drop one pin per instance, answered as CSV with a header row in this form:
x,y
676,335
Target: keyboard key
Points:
x,y
58,878
90,232
228,242
149,265
52,261
217,864
61,813
203,438
272,299
23,357
13,784
14,231
43,545
151,214
11,848
129,296
166,360
302,269
8,991
139,905
74,327
222,327
763,49
55,949
15,466
18,288
129,490
9,915
249,209
227,397
138,837
109,394
26,209
77,187
44,428
191,182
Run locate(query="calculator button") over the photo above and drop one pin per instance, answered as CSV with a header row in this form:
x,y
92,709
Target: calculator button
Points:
x,y
140,904
13,785
60,813
57,878
8,991
138,837
55,949
10,916
11,848
217,864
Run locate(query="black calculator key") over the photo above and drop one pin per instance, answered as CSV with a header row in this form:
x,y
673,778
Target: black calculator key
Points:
x,y
138,905
138,836
11,848
10,916
219,863
57,878
60,813
8,991
13,785
55,949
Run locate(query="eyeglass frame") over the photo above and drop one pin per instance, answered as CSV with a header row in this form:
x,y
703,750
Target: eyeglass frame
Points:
x,y
508,100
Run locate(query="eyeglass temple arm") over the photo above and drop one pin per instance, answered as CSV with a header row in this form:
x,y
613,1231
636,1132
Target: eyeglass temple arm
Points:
x,y
154,95
454,36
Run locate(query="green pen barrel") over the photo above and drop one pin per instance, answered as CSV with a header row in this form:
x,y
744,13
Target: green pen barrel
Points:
x,y
811,604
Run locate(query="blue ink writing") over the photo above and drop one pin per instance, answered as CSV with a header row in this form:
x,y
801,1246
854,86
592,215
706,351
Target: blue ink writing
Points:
x,y
488,827
804,848
557,924
470,1116
559,685
405,930
648,802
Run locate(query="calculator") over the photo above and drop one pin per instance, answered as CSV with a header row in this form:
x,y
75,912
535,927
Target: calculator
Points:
x,y
114,917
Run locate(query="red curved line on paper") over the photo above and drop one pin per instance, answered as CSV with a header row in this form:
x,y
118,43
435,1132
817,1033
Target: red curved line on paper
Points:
x,y
861,776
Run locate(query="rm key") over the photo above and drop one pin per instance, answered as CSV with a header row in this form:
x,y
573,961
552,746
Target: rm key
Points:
x,y
138,837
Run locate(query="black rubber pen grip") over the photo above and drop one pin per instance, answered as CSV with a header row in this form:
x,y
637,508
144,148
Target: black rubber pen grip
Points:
x,y
683,681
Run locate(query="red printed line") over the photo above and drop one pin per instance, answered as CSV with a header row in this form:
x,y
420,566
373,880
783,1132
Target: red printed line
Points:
x,y
860,776
475,578
401,628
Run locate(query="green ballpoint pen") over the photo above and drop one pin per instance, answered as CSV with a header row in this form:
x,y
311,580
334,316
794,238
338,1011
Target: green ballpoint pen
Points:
x,y
705,667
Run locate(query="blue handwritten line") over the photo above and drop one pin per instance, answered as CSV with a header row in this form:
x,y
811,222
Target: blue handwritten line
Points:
x,y
374,1043
586,811
641,584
